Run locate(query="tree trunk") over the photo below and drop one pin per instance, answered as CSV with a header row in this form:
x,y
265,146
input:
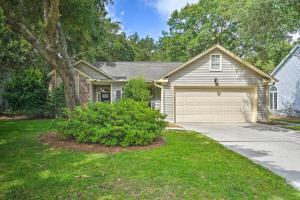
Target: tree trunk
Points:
x,y
53,48
69,87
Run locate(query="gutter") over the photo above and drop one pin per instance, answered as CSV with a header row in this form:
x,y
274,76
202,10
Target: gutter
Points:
x,y
161,96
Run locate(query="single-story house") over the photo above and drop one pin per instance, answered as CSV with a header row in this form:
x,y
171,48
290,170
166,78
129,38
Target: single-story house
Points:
x,y
285,94
214,86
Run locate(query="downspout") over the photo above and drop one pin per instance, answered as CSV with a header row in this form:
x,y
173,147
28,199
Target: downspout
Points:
x,y
161,96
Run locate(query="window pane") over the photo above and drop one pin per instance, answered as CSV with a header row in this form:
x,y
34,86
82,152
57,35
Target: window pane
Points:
x,y
273,89
271,101
215,62
275,101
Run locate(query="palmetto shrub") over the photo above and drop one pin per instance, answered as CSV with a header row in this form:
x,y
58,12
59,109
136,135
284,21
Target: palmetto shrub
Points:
x,y
125,123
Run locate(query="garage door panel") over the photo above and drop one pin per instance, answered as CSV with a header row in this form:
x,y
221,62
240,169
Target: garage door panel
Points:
x,y
215,105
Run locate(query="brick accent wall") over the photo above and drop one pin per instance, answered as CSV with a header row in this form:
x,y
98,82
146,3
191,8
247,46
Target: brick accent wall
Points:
x,y
84,90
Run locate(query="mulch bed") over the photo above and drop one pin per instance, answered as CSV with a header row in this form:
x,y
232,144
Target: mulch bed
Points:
x,y
53,140
16,117
172,125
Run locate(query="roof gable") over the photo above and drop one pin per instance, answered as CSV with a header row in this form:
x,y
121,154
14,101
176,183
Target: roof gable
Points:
x,y
227,52
295,50
94,69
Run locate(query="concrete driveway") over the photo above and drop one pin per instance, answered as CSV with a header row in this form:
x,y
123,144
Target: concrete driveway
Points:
x,y
273,147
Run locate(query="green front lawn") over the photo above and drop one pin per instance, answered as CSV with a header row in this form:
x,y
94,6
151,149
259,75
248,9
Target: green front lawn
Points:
x,y
286,120
189,166
295,128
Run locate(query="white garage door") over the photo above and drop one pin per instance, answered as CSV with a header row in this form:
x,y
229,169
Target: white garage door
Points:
x,y
215,105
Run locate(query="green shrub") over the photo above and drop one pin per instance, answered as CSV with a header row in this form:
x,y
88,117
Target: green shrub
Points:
x,y
56,102
137,90
124,123
26,92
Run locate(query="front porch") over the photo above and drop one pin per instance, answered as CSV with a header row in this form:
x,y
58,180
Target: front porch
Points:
x,y
101,93
112,92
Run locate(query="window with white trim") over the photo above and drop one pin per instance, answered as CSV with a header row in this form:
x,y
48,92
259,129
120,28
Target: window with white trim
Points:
x,y
216,62
273,97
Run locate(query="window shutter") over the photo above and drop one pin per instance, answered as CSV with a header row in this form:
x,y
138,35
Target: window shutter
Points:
x,y
118,95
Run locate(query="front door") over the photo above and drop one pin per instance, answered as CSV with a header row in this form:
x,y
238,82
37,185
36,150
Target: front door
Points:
x,y
105,97
103,93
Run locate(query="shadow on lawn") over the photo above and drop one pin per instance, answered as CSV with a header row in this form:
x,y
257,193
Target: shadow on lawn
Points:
x,y
28,166
51,169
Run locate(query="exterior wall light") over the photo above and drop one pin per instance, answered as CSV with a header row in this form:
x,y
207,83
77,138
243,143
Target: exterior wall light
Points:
x,y
216,81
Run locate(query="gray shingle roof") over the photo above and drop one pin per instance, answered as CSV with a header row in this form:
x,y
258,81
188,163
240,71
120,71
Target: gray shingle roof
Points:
x,y
127,70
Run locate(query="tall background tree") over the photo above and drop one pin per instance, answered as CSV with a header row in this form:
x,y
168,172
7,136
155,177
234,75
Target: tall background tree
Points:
x,y
258,30
143,48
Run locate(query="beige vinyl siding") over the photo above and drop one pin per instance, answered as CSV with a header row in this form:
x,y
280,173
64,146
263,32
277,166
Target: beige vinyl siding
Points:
x,y
168,102
198,74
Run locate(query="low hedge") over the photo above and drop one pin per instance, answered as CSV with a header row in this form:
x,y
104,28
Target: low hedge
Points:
x,y
125,123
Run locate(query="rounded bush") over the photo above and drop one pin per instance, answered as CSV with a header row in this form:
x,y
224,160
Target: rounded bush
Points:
x,y
125,123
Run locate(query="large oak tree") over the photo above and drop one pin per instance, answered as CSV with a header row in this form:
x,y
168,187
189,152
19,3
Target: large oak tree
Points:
x,y
58,31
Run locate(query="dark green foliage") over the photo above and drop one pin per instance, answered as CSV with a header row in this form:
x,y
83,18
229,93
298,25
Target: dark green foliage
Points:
x,y
144,48
124,123
56,102
26,92
257,30
16,53
137,90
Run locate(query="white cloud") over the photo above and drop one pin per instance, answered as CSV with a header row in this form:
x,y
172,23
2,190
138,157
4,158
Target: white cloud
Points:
x,y
112,13
296,36
122,13
166,7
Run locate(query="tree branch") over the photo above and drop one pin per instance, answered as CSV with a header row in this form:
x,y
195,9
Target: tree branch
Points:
x,y
24,31
63,45
51,14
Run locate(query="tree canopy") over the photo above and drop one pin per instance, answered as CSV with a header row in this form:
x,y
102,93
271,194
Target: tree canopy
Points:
x,y
16,54
257,30
56,33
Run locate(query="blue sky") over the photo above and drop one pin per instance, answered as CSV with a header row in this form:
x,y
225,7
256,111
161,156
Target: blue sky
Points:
x,y
146,17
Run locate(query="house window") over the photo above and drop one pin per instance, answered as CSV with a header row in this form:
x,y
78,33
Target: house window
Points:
x,y
215,62
273,98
